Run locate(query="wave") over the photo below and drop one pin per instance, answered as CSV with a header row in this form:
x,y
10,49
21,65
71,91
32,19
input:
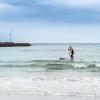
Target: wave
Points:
x,y
77,67
53,65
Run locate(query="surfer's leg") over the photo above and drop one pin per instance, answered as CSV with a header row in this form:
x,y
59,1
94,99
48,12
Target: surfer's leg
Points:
x,y
72,58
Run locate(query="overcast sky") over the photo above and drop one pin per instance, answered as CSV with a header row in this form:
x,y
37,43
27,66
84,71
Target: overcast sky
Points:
x,y
50,20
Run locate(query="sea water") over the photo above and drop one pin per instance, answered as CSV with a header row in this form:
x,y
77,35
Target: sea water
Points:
x,y
37,70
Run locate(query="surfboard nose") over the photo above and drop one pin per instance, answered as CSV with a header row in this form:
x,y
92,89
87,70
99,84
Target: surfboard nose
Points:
x,y
61,58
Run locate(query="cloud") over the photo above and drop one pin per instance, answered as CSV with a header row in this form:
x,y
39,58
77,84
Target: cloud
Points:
x,y
77,3
4,7
64,11
20,6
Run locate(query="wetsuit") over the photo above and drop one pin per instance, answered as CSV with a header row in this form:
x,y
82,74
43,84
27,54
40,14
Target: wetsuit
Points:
x,y
72,53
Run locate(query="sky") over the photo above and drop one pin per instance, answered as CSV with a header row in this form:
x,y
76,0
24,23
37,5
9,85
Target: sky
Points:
x,y
50,21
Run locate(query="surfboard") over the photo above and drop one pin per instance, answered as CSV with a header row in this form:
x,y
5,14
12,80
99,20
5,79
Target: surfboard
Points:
x,y
65,59
62,59
68,60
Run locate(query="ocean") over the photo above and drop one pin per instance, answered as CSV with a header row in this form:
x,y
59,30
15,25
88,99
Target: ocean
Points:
x,y
37,70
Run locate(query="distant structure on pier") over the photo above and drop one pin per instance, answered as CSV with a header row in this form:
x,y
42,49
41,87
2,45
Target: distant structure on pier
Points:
x,y
13,44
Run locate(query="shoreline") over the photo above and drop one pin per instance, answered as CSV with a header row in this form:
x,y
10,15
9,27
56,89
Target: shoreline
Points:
x,y
27,97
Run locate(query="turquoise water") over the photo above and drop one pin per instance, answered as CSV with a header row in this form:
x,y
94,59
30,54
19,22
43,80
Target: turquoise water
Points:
x,y
37,70
87,56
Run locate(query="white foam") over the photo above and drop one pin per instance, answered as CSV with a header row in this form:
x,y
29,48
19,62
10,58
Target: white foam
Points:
x,y
70,86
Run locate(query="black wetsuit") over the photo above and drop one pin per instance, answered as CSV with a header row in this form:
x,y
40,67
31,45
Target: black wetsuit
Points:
x,y
72,53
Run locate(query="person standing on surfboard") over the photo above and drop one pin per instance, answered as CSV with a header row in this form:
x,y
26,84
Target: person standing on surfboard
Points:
x,y
71,53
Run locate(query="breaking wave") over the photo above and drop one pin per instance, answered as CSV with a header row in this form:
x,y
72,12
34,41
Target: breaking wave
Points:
x,y
53,65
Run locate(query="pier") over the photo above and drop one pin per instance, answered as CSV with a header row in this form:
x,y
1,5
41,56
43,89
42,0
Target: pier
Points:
x,y
13,44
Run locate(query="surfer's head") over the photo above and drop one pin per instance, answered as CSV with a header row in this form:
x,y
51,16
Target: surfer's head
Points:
x,y
70,47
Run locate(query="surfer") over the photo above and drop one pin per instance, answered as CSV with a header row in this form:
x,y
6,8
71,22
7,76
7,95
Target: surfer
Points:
x,y
71,53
